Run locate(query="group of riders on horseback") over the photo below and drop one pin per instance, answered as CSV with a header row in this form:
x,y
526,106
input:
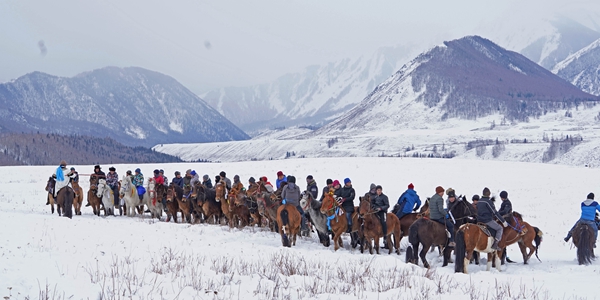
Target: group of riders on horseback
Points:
x,y
482,208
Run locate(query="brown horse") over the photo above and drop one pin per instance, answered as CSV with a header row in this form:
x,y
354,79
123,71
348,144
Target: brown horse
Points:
x,y
50,184
371,229
240,215
428,233
267,208
409,219
221,197
64,199
185,207
289,219
207,200
584,238
93,198
530,235
173,203
476,237
196,204
78,200
252,205
338,221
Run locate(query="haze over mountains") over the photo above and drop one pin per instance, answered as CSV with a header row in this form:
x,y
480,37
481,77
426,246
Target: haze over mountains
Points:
x,y
132,105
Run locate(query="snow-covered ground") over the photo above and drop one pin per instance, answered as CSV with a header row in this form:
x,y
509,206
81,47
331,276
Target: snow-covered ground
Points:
x,y
92,257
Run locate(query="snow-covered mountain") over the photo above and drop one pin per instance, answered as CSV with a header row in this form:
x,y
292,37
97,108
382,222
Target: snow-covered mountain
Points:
x,y
313,97
467,78
582,68
543,38
132,105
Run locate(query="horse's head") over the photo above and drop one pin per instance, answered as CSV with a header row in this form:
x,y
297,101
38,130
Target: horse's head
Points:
x,y
328,204
93,180
50,184
261,203
462,208
220,191
365,205
306,200
126,186
424,211
170,194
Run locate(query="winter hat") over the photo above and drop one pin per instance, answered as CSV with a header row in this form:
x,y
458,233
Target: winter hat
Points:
x,y
72,168
217,179
411,187
347,180
486,192
279,173
504,195
138,170
193,173
156,171
264,178
205,177
450,192
291,179
236,178
439,189
222,174
372,187
97,167
112,169
329,181
590,196
188,171
161,171
335,183
128,172
63,163
309,177
475,198
252,180
379,188
177,173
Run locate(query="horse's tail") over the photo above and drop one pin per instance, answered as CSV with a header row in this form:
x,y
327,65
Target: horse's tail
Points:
x,y
413,233
585,247
538,241
285,223
409,254
460,251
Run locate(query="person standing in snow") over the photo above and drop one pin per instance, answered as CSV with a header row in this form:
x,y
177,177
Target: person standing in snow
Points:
x,y
311,186
408,202
588,216
280,178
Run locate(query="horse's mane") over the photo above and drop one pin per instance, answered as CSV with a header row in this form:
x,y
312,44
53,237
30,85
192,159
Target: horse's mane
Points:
x,y
518,215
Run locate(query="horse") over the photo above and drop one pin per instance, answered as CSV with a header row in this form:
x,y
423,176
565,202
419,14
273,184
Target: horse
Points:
x,y
129,194
371,227
196,204
409,219
476,237
173,199
531,235
207,200
106,194
267,208
238,212
93,197
290,220
185,207
312,208
584,238
64,199
252,205
221,197
153,198
50,184
338,222
78,200
428,233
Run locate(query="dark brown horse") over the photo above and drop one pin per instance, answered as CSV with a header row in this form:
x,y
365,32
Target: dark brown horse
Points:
x,y
409,219
252,205
240,215
172,203
289,219
371,227
427,233
584,238
267,208
64,199
197,210
185,207
93,198
207,200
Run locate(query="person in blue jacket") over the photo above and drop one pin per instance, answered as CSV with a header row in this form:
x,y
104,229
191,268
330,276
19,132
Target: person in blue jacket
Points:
x,y
409,201
588,215
280,178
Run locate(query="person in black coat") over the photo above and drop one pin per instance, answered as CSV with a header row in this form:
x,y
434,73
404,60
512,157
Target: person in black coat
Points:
x,y
311,186
381,204
345,198
486,211
178,180
326,188
506,207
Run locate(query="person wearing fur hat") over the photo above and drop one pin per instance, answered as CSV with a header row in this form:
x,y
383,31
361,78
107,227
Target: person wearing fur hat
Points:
x,y
438,214
280,178
311,186
187,178
506,207
327,187
112,179
98,173
486,211
588,216
345,198
451,199
408,202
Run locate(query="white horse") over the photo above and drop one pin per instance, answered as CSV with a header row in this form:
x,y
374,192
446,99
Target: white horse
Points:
x,y
153,200
129,193
106,194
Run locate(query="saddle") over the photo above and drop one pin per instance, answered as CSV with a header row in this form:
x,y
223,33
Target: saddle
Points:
x,y
486,229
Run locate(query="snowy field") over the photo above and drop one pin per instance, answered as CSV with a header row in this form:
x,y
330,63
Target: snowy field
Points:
x,y
47,257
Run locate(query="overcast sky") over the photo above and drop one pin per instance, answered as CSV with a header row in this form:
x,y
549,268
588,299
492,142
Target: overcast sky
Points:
x,y
208,44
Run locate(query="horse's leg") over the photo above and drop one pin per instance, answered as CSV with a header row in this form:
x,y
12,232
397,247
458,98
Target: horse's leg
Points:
x,y
497,259
423,255
415,255
466,261
490,258
376,240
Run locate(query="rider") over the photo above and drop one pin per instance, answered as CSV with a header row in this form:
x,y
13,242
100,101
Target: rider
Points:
x,y
267,184
195,178
345,199
206,181
438,214
588,214
158,178
475,200
76,178
112,179
237,185
226,180
409,201
485,214
161,173
251,183
98,172
327,188
178,180
311,186
138,182
381,204
291,195
506,207
187,178
280,178
63,178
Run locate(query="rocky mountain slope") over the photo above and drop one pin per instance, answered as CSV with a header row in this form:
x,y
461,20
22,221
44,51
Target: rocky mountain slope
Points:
x,y
582,68
132,105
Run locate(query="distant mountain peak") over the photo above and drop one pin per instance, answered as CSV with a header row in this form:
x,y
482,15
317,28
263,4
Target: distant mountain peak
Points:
x,y
582,68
